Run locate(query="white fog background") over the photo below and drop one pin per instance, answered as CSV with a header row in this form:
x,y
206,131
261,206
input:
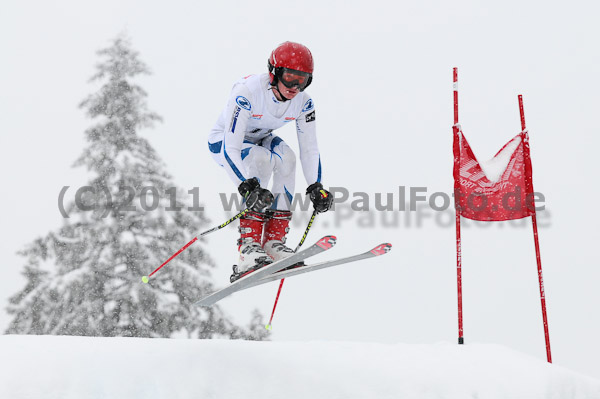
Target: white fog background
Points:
x,y
383,93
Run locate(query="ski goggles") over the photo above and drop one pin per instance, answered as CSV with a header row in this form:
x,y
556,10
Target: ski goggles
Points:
x,y
291,78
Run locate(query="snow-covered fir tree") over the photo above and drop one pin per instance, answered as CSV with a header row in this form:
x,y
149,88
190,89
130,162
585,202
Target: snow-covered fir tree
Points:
x,y
85,278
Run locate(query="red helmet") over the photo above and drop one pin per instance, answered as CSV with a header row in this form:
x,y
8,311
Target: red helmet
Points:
x,y
293,60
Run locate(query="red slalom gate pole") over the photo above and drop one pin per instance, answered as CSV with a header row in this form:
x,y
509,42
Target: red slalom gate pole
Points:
x,y
455,130
536,238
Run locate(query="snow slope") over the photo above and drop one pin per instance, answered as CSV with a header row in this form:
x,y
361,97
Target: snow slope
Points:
x,y
80,367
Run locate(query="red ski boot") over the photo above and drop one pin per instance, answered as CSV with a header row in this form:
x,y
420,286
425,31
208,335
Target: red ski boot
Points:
x,y
276,228
252,256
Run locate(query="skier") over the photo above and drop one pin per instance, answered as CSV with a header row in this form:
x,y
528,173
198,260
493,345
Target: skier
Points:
x,y
243,143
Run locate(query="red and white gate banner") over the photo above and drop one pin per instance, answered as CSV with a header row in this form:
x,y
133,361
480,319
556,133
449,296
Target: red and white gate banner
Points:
x,y
505,192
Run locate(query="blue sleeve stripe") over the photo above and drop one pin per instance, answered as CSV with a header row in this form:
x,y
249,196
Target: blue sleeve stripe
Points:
x,y
319,172
236,113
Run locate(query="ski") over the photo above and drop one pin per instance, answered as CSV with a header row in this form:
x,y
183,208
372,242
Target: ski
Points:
x,y
379,250
322,245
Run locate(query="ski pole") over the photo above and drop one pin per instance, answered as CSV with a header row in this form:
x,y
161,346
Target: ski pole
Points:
x,y
310,222
145,279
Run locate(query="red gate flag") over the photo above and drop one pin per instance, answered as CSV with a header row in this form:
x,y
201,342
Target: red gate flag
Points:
x,y
505,192
502,189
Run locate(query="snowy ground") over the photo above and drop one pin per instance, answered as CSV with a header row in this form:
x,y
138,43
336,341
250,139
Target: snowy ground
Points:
x,y
78,367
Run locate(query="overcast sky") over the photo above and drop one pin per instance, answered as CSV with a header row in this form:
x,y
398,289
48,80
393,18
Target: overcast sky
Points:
x,y
383,93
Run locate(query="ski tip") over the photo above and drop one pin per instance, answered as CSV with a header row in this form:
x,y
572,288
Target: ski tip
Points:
x,y
269,327
327,242
382,249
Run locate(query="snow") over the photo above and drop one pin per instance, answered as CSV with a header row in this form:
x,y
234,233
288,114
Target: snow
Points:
x,y
495,167
83,367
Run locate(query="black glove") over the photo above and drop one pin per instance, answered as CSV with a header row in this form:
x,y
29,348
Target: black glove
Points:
x,y
257,198
248,186
321,198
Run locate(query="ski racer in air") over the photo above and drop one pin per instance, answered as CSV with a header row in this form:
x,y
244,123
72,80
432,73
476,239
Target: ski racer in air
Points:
x,y
243,143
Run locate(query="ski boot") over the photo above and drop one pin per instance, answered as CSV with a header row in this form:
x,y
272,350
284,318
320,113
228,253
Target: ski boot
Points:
x,y
276,228
252,256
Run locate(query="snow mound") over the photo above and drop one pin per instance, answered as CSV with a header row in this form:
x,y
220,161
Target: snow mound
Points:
x,y
79,367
